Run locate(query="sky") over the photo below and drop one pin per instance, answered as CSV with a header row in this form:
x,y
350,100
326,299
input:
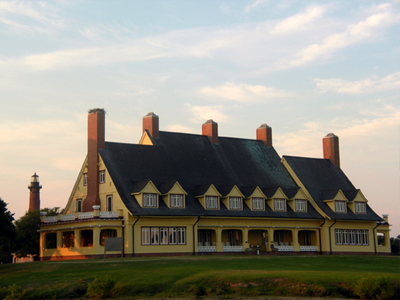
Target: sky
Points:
x,y
305,68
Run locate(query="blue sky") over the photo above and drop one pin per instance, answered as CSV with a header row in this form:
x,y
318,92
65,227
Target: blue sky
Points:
x,y
306,68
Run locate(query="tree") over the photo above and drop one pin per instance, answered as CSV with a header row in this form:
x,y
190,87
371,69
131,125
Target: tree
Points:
x,y
7,233
28,236
52,211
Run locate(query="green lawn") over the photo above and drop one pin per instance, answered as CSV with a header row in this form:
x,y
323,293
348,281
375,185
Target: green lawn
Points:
x,y
203,275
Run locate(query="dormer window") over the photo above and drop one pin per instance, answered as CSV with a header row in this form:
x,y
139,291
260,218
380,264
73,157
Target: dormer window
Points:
x,y
149,200
212,202
340,206
176,200
300,205
258,203
235,203
360,207
279,204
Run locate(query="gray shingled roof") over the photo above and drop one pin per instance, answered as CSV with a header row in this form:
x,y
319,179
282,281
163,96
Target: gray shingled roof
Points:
x,y
195,163
323,180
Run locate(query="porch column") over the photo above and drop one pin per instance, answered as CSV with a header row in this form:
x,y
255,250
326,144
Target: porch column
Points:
x,y
245,238
219,239
295,238
96,240
77,238
59,239
42,243
270,238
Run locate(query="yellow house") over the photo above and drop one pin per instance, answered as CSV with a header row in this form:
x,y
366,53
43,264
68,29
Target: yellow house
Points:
x,y
187,194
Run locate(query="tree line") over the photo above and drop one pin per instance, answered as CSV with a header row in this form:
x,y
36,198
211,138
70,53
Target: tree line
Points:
x,y
20,236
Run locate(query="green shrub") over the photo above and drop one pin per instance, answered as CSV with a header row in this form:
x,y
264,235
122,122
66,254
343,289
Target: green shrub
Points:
x,y
3,292
15,292
100,287
380,288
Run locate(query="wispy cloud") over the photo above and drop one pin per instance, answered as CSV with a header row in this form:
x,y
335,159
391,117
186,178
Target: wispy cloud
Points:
x,y
203,113
354,33
244,93
41,16
298,21
367,85
250,7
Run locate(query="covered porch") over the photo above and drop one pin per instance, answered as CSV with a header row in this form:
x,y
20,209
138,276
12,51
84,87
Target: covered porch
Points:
x,y
250,239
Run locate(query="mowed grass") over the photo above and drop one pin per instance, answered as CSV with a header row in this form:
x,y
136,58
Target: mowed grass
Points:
x,y
202,275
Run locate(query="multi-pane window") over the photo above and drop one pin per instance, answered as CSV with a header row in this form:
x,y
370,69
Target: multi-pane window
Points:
x,y
176,200
79,205
258,203
212,202
235,237
351,237
102,175
279,204
163,235
85,179
300,205
109,202
340,206
68,239
360,207
105,233
235,203
149,200
51,240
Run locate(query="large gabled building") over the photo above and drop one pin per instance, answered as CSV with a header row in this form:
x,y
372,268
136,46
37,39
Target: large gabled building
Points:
x,y
177,193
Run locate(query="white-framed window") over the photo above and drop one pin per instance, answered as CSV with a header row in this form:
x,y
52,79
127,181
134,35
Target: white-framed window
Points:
x,y
84,178
109,203
300,205
176,200
279,204
358,237
149,200
340,206
235,203
181,235
145,235
78,205
155,234
163,235
212,202
102,175
172,236
258,203
360,207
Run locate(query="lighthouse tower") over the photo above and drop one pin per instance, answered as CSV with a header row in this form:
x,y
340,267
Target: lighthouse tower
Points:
x,y
34,196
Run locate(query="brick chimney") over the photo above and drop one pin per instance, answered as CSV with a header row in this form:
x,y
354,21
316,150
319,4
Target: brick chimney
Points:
x,y
264,133
34,195
150,123
210,128
330,145
96,140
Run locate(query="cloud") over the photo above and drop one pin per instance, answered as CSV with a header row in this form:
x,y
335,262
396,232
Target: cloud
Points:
x,y
298,21
367,85
354,33
203,113
40,16
244,93
248,8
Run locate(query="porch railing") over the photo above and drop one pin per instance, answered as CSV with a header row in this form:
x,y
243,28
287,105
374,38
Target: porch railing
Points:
x,y
207,249
68,217
228,248
309,248
284,248
50,219
86,215
109,214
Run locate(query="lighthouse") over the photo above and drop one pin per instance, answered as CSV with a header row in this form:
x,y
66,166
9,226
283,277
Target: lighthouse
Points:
x,y
34,195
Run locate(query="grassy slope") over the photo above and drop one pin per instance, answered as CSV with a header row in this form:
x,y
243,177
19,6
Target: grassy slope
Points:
x,y
214,275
